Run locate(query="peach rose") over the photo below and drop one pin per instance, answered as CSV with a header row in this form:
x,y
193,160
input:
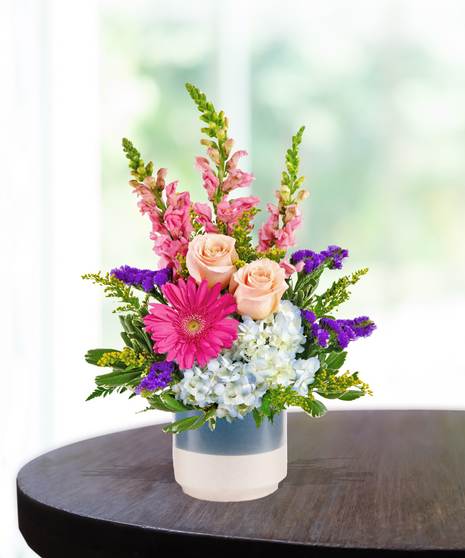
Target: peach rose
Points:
x,y
258,288
210,256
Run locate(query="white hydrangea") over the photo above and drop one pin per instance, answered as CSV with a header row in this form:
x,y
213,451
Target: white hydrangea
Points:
x,y
263,357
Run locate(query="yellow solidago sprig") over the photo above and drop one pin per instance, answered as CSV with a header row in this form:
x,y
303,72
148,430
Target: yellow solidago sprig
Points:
x,y
114,288
336,294
274,254
242,233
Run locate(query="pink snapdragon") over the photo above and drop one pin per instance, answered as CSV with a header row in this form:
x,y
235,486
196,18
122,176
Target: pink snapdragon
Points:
x,y
267,231
290,269
232,163
214,155
270,234
237,179
178,222
230,211
203,216
210,181
167,249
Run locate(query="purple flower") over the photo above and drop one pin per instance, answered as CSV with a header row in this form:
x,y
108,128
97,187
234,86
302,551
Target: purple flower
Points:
x,y
321,335
308,315
158,377
333,258
301,255
144,278
348,330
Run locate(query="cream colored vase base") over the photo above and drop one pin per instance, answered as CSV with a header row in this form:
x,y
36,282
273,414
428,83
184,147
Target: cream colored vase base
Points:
x,y
229,478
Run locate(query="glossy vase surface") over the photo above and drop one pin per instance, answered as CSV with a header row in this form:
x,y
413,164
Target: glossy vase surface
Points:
x,y
235,462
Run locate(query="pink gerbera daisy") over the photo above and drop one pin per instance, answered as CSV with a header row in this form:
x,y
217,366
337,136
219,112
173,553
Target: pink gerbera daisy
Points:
x,y
195,328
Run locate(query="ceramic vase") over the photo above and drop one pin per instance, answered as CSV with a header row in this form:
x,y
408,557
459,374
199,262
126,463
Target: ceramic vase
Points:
x,y
235,462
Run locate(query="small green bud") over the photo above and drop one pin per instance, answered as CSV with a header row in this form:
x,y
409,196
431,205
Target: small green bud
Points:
x,y
221,134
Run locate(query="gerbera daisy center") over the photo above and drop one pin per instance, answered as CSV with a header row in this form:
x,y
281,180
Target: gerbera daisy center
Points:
x,y
193,326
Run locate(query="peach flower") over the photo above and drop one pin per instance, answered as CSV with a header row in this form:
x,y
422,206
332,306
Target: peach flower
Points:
x,y
258,288
211,256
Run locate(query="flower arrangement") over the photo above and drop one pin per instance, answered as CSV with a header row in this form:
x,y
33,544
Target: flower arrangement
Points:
x,y
223,327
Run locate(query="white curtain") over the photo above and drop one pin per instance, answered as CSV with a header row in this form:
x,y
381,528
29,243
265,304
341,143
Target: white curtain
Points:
x,y
49,218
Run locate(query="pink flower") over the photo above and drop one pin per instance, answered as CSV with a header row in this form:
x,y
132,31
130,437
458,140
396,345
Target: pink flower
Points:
x,y
232,163
211,257
237,179
266,233
178,222
289,269
229,144
229,212
214,155
283,238
258,288
244,204
161,175
210,183
204,217
178,200
265,237
291,213
202,164
168,249
196,327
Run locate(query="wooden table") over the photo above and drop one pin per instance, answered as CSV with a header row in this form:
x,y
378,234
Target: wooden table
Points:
x,y
360,483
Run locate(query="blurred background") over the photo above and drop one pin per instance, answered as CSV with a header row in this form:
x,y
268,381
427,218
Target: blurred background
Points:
x,y
380,87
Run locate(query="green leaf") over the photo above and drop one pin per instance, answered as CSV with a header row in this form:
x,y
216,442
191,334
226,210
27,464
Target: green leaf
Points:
x,y
314,408
336,360
331,394
351,395
94,355
258,417
157,403
180,425
116,378
126,339
211,413
212,423
173,404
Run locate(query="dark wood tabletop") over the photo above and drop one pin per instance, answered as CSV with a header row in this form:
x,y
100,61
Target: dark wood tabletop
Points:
x,y
360,483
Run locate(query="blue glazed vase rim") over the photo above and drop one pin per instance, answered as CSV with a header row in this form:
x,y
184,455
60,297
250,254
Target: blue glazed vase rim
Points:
x,y
240,437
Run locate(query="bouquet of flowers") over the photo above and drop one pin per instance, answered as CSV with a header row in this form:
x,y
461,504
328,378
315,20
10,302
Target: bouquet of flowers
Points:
x,y
224,327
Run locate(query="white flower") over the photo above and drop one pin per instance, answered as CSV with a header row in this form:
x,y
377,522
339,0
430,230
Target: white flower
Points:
x,y
305,370
262,357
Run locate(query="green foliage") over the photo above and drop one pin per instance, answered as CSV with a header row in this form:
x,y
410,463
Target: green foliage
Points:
x,y
337,293
136,164
173,404
190,423
114,288
275,400
119,378
102,391
292,165
134,334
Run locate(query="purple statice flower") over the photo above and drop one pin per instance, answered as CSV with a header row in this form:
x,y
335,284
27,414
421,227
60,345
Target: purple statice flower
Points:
x,y
349,330
301,255
321,335
144,278
308,315
158,377
333,257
